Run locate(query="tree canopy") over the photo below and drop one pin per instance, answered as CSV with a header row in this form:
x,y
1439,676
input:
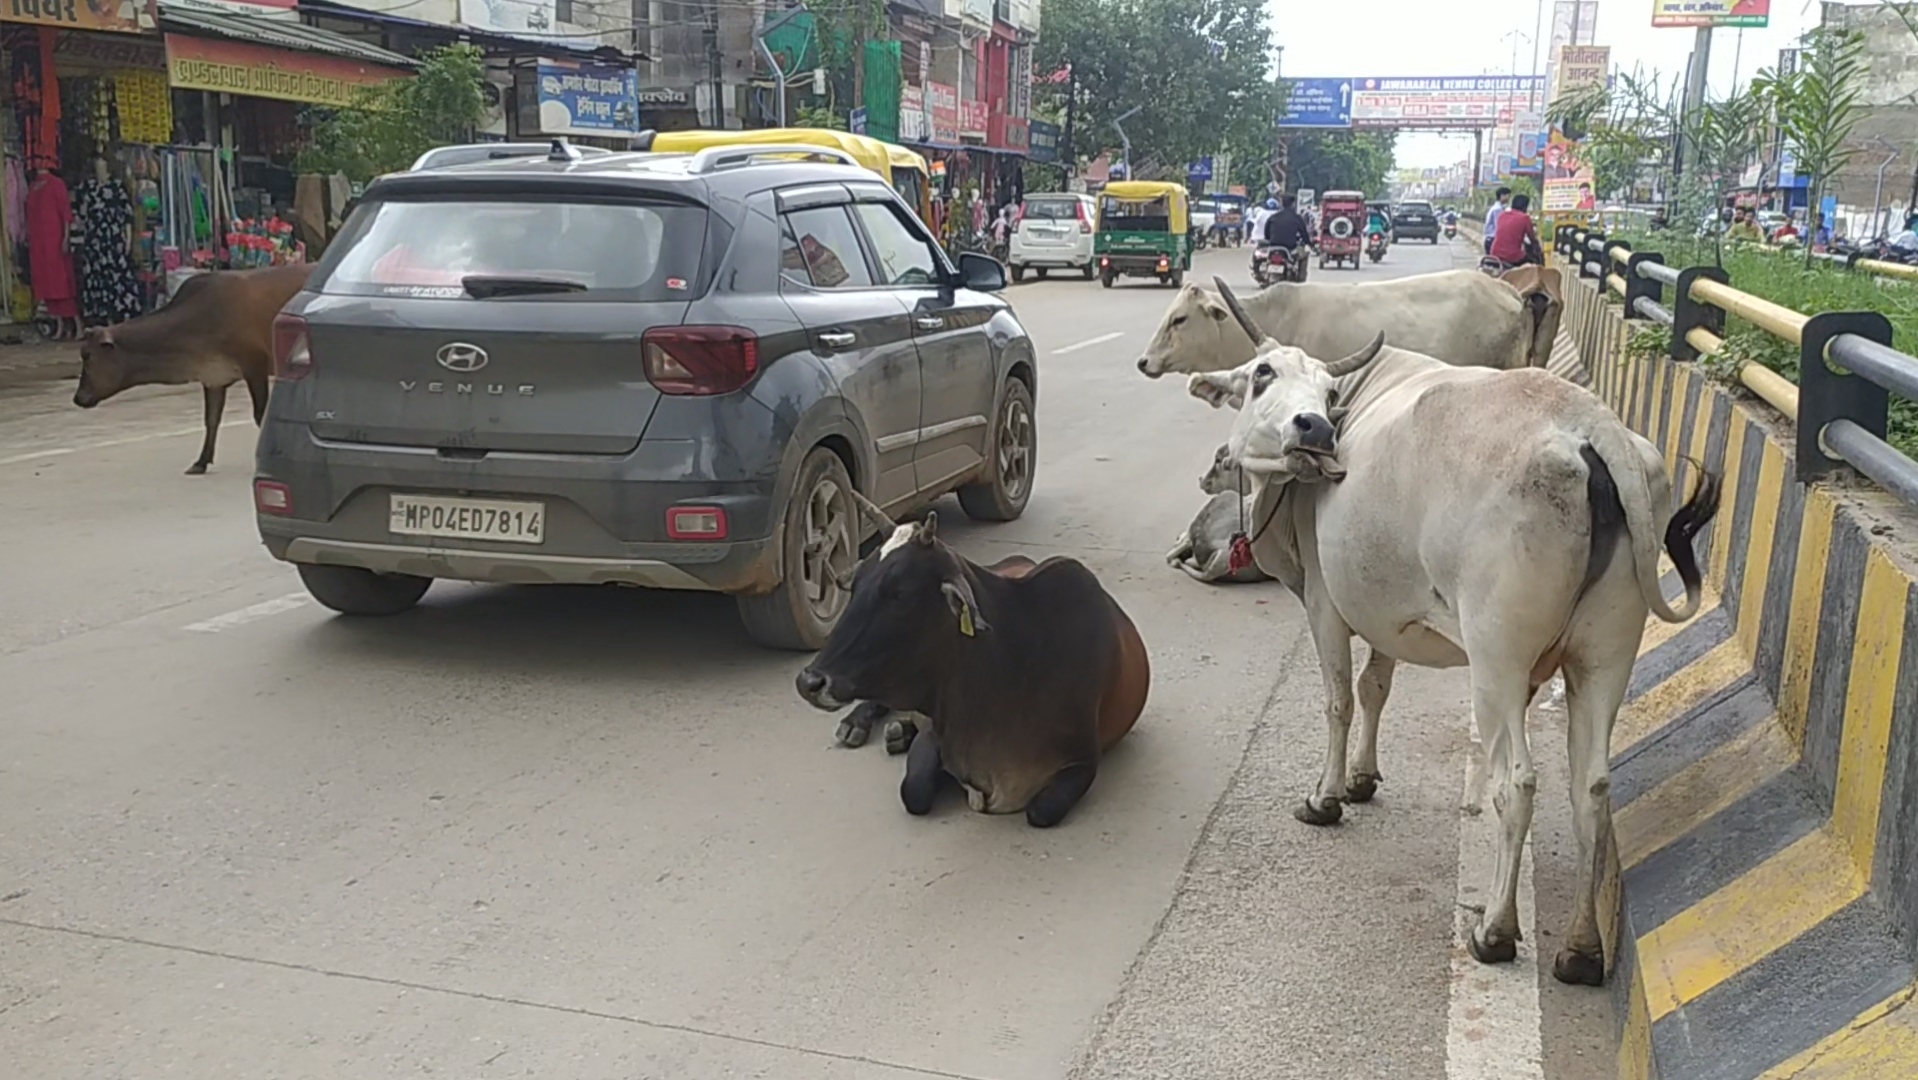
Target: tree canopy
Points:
x,y
392,124
1199,71
1340,161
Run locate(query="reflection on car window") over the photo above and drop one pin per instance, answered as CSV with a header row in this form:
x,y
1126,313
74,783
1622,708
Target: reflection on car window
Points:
x,y
828,248
904,259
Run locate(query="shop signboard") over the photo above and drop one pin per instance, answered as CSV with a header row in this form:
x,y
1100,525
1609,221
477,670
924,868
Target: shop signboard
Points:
x,y
98,52
1581,67
114,16
236,67
579,98
1042,141
1739,13
942,109
912,114
1008,133
972,119
518,18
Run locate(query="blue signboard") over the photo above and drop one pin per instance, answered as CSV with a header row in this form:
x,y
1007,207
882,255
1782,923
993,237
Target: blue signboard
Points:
x,y
1042,142
578,98
857,121
1318,103
1199,171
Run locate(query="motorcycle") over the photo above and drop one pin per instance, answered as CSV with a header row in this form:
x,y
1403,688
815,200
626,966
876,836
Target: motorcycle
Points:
x,y
1375,246
1451,230
1277,264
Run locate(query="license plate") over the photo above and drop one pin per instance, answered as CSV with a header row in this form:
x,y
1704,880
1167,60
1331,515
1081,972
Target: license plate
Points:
x,y
468,519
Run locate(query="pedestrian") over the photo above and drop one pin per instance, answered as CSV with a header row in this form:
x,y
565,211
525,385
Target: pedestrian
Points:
x,y
1501,199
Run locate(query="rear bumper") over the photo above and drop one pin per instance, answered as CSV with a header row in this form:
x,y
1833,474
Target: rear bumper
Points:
x,y
1424,232
736,570
1022,255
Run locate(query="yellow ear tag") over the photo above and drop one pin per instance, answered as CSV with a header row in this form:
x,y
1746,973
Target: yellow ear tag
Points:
x,y
965,621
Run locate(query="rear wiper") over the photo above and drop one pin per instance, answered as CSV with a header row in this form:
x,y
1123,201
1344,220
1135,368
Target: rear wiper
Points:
x,y
488,286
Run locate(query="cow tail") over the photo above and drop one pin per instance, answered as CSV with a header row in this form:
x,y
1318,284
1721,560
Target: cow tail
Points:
x,y
1642,492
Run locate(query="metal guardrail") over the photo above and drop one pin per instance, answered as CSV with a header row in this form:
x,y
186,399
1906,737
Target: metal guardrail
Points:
x,y
1847,367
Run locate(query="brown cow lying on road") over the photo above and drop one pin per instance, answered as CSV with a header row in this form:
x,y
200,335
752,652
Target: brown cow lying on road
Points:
x,y
216,331
1027,672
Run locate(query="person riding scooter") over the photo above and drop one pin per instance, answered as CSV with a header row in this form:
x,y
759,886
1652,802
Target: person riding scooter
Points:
x,y
1517,241
1285,229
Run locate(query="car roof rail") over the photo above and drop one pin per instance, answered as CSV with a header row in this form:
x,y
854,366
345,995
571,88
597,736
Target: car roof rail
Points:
x,y
715,158
563,151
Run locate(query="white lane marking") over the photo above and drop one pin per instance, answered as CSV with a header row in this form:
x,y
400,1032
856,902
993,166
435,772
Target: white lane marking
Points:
x,y
253,612
1087,343
104,444
1494,1029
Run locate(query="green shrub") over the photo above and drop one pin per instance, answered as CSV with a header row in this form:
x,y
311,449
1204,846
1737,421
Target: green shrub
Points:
x,y
1782,279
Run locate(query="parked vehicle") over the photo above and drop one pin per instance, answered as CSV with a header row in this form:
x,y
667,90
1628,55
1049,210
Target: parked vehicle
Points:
x,y
660,370
1415,221
1143,232
1054,232
1205,221
1231,219
1341,227
445,157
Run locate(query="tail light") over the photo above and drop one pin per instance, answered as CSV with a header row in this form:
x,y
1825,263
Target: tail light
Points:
x,y
696,523
1164,263
292,348
272,497
1079,211
700,360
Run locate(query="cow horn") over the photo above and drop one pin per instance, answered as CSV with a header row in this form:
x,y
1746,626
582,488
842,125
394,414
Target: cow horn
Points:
x,y
871,509
1245,321
1340,368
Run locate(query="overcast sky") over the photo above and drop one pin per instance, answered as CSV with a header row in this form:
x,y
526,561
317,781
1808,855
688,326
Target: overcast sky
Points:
x,y
1407,37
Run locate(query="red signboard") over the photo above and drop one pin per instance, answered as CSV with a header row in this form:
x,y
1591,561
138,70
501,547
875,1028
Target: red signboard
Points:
x,y
1009,132
942,104
972,119
119,18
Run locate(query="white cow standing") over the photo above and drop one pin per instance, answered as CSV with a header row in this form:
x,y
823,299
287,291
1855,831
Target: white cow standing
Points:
x,y
1501,520
1460,316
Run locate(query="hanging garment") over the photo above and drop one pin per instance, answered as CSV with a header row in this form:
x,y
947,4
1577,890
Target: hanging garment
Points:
x,y
49,213
309,210
109,288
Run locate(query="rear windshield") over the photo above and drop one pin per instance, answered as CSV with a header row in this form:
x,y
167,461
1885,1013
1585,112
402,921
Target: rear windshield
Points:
x,y
1415,208
1135,215
601,251
1051,209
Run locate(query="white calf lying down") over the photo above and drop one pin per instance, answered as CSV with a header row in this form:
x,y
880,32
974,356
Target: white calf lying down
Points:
x,y
1501,520
1204,549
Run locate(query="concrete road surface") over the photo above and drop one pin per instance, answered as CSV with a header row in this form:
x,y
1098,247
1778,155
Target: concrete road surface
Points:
x,y
594,834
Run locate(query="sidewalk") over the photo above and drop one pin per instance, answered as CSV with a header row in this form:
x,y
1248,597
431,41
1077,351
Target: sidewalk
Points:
x,y
41,362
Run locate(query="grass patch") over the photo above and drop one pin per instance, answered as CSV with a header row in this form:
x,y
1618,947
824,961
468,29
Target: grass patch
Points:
x,y
1784,279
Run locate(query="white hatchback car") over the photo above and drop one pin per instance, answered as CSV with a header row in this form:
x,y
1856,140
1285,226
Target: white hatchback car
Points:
x,y
1054,233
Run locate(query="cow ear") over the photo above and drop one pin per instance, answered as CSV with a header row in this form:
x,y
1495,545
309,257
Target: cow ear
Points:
x,y
1215,389
926,530
1216,310
960,599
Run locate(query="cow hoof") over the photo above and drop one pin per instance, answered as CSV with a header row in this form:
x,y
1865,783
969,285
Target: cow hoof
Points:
x,y
1491,952
1361,787
899,736
198,468
1574,968
850,735
1317,811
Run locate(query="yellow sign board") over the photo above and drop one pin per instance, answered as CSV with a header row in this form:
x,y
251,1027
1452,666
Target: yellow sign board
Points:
x,y
235,67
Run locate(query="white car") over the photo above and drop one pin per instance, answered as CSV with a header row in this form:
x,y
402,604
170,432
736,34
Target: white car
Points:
x,y
1054,233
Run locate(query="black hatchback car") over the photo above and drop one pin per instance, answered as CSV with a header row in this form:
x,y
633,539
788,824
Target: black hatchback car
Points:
x,y
658,370
1415,220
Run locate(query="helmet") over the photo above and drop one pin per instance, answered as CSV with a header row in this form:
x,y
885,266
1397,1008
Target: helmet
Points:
x,y
1271,204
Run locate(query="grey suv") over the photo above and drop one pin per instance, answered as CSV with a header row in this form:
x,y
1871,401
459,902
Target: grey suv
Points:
x,y
659,370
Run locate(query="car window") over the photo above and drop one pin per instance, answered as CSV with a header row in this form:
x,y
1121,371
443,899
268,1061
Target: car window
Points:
x,y
904,258
603,251
1050,210
826,248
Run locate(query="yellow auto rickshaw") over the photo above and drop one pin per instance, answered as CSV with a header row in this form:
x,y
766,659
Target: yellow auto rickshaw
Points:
x,y
1144,231
905,170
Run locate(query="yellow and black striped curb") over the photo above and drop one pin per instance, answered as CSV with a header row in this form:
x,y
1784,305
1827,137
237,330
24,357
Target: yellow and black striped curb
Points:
x,y
1763,890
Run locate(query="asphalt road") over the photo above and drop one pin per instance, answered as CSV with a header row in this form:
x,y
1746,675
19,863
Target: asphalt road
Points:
x,y
595,834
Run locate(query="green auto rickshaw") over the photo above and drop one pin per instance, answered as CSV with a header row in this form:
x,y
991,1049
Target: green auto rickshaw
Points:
x,y
1144,231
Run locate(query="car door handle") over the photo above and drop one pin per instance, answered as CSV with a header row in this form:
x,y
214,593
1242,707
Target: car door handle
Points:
x,y
837,339
929,322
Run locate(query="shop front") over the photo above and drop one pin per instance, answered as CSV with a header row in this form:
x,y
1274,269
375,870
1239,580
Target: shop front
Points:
x,y
972,179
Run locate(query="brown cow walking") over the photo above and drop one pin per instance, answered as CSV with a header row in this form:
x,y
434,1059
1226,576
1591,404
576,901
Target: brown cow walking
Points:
x,y
1026,672
216,331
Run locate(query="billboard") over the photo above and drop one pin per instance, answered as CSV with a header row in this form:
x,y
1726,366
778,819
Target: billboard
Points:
x,y
578,98
1478,101
1581,67
1318,103
1738,13
1574,22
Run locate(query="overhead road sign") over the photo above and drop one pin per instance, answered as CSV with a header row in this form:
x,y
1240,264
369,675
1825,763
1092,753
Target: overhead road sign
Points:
x,y
1318,103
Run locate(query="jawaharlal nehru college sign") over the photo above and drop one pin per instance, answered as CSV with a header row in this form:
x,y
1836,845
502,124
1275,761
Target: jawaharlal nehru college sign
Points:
x,y
235,67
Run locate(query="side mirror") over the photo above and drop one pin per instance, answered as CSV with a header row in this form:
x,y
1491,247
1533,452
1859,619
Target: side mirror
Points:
x,y
981,273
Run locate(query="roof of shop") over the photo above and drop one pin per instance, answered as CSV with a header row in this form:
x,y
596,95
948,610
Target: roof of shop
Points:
x,y
279,33
524,46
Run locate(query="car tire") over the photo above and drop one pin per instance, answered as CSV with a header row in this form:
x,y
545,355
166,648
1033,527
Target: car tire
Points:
x,y
351,590
1012,455
1177,280
1106,280
1090,271
822,526
1042,273
1018,274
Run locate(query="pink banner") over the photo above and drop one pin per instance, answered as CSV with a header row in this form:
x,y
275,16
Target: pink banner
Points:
x,y
972,119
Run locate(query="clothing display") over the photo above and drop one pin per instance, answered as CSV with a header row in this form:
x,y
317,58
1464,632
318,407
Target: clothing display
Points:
x,y
50,261
110,289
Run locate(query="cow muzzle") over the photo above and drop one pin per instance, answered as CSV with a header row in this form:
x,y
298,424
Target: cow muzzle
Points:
x,y
1146,369
817,689
85,398
1315,433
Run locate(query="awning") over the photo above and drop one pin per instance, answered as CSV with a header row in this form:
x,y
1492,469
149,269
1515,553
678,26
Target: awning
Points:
x,y
502,42
229,24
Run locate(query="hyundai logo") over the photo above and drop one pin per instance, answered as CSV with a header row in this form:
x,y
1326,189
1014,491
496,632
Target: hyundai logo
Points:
x,y
459,356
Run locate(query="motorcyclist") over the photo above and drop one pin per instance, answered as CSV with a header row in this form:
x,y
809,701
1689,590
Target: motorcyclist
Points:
x,y
1286,228
1255,225
1375,223
1517,241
